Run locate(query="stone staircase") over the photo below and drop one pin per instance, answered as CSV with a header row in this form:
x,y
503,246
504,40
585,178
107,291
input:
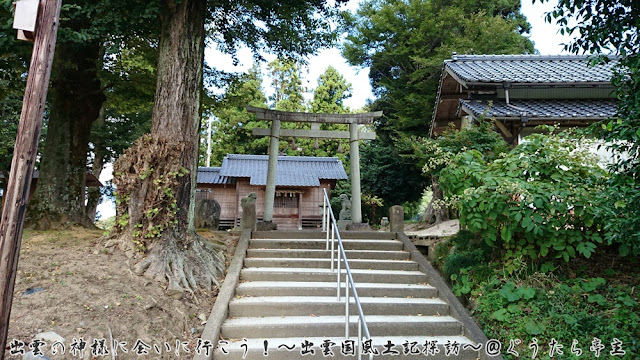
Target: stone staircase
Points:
x,y
286,300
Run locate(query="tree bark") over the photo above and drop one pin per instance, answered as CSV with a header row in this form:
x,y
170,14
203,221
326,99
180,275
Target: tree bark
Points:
x,y
436,212
99,152
76,100
156,178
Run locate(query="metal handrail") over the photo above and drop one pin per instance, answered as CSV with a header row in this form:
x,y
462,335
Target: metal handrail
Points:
x,y
329,221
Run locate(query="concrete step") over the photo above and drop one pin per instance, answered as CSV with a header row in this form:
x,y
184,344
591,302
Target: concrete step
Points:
x,y
299,288
292,348
378,235
407,265
323,254
326,275
333,326
330,305
351,244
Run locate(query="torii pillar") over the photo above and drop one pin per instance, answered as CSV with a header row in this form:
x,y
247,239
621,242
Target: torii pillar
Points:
x,y
315,119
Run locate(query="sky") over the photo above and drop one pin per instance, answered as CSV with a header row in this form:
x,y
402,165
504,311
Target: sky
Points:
x,y
546,38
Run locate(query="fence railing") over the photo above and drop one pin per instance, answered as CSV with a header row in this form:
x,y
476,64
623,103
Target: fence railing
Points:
x,y
330,226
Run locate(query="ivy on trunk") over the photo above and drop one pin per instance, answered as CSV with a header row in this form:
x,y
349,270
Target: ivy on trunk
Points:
x,y
156,177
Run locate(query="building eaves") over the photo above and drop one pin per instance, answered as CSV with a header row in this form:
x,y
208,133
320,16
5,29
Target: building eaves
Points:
x,y
211,175
540,109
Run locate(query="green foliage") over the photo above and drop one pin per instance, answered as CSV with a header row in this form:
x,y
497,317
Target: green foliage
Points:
x,y
387,172
287,85
618,207
460,260
9,117
151,162
288,28
535,202
611,27
435,154
470,251
371,205
578,309
232,126
405,42
329,95
14,60
546,306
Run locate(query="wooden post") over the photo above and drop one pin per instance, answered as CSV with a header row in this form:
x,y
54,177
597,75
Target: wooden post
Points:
x,y
24,155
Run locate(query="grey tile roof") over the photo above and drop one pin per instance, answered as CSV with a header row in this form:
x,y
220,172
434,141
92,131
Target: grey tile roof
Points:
x,y
211,175
528,69
291,171
542,109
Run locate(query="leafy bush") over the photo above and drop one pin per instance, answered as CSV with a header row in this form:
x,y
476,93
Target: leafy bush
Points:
x,y
536,202
575,309
618,207
459,260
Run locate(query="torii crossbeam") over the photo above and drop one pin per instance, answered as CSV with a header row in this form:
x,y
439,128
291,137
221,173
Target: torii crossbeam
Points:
x,y
276,117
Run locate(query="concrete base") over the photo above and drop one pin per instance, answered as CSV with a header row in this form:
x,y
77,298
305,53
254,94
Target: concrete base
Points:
x,y
266,226
344,224
359,227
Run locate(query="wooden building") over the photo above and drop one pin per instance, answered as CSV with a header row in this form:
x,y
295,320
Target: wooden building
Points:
x,y
299,183
519,92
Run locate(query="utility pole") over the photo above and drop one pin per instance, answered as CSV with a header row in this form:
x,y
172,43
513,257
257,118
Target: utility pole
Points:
x,y
209,141
24,154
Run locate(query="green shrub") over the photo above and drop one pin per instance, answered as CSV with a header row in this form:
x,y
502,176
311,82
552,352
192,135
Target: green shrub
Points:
x,y
460,260
441,252
575,309
534,203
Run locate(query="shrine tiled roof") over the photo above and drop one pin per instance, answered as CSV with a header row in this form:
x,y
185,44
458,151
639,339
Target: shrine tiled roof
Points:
x,y
541,109
528,69
291,170
211,175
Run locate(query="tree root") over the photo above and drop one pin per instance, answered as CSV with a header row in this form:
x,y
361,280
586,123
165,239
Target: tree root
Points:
x,y
187,265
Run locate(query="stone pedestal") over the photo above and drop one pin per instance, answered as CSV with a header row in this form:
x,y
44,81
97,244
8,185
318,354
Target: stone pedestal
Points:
x,y
396,219
266,226
359,227
343,224
249,219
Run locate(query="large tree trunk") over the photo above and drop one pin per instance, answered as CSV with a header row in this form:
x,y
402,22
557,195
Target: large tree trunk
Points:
x,y
156,177
436,212
99,153
76,100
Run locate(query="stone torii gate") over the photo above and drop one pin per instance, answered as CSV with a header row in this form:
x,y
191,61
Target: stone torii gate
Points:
x,y
276,117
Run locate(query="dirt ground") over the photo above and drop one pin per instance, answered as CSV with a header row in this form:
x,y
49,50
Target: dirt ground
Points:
x,y
70,284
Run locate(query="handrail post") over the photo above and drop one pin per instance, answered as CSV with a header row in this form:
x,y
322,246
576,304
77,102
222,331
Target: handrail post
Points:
x,y
338,282
346,308
359,338
329,220
332,247
324,213
328,224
